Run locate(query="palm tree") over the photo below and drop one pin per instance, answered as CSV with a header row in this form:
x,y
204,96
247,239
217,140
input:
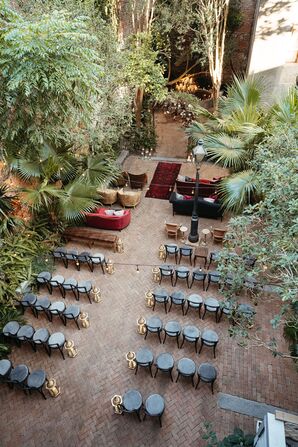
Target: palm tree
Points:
x,y
59,184
231,137
7,220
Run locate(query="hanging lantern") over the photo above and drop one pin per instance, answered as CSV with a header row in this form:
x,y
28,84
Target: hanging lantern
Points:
x,y
96,294
141,322
116,402
131,360
110,267
156,274
119,246
162,252
84,319
53,389
149,299
70,348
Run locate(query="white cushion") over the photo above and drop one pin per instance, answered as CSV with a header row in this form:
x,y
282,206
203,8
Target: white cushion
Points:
x,y
208,199
109,212
119,213
179,196
181,178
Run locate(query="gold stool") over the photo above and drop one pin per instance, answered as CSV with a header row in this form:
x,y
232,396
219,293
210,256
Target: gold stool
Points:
x,y
84,319
130,357
70,349
116,402
53,389
156,274
96,294
119,246
141,322
110,267
162,252
149,299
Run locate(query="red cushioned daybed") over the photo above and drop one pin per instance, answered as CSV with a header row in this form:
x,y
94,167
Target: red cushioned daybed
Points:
x,y
100,219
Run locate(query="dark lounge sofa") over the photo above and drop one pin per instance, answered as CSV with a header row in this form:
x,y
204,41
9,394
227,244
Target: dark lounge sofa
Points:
x,y
205,209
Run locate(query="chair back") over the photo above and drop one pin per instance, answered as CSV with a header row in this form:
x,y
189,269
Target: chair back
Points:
x,y
218,234
172,229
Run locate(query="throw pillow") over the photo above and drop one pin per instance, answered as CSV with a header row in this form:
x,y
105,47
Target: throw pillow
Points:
x,y
181,178
190,179
213,196
119,213
208,199
203,180
179,196
109,212
187,197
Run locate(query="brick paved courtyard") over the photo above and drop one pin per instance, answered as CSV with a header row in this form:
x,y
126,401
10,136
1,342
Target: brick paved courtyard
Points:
x,y
82,415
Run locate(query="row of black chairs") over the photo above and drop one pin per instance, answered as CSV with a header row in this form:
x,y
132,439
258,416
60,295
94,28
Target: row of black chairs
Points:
x,y
58,282
189,333
83,258
21,377
192,254
199,275
132,402
57,308
185,367
39,337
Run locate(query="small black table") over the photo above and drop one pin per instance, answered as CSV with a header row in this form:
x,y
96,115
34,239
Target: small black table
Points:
x,y
207,373
172,329
154,406
144,357
191,334
186,368
154,325
132,402
165,363
209,338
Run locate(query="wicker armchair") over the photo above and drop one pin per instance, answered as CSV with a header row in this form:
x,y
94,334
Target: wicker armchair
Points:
x,y
218,234
129,198
172,229
107,196
137,181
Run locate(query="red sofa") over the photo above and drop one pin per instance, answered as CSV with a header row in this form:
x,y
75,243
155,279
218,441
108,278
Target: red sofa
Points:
x,y
206,187
99,219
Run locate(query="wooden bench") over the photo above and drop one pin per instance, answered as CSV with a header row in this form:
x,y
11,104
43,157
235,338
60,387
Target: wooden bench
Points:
x,y
91,236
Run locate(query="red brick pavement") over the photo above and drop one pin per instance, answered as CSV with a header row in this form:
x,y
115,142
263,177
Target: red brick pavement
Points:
x,y
83,416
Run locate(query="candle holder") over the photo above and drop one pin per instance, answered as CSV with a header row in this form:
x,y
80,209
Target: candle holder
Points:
x,y
155,274
110,267
84,319
131,360
120,246
70,349
162,252
141,322
149,299
96,294
53,389
116,402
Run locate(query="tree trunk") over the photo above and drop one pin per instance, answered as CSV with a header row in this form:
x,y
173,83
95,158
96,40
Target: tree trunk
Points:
x,y
138,106
215,94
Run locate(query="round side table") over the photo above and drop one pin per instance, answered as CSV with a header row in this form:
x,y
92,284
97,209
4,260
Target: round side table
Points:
x,y
183,230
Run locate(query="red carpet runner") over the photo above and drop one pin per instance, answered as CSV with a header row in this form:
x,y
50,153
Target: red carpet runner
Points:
x,y
163,180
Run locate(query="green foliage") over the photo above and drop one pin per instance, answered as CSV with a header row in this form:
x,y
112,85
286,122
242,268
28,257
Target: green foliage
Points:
x,y
49,77
7,221
21,252
237,439
142,71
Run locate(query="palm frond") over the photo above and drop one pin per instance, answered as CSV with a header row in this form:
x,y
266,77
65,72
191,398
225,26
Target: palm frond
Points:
x,y
26,169
238,190
243,92
79,198
286,110
42,196
99,169
229,152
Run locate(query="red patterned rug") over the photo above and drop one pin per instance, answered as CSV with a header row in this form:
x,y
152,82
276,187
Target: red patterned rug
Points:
x,y
163,180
